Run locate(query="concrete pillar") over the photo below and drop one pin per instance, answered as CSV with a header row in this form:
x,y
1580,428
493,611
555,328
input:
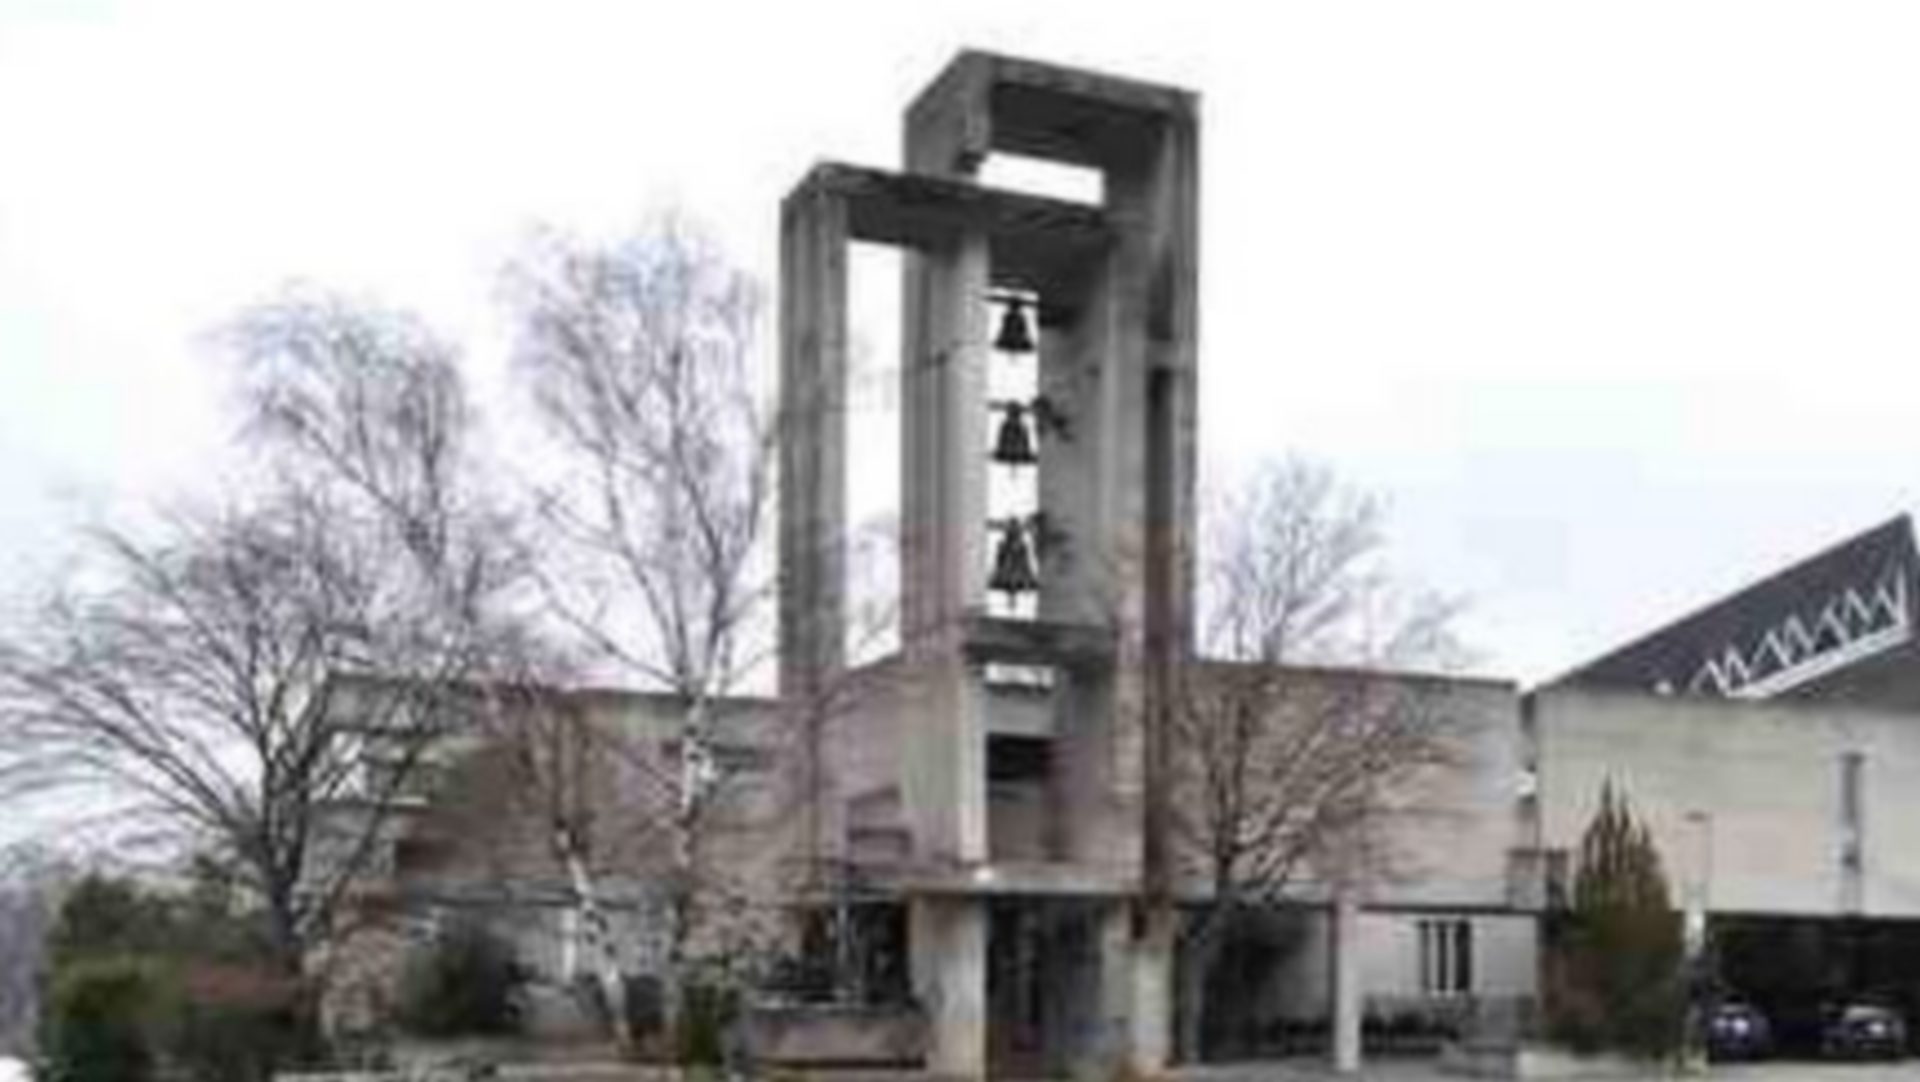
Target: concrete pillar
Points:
x,y
1150,1014
813,382
1113,945
944,537
1348,995
944,426
813,387
949,944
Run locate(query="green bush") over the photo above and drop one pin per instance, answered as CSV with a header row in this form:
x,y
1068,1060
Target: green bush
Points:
x,y
141,983
706,1012
105,916
1614,980
467,983
233,1023
100,1021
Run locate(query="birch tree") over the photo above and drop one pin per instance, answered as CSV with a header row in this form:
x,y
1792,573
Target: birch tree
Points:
x,y
640,360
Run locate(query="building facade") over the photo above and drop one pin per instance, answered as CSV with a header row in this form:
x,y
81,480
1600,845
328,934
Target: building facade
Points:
x,y
1002,792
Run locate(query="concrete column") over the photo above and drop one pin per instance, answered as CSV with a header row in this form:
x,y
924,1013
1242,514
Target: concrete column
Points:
x,y
1348,995
814,232
944,537
944,425
949,943
1150,1014
813,380
1113,937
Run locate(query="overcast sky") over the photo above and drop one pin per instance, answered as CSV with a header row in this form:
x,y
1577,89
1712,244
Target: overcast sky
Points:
x,y
1617,304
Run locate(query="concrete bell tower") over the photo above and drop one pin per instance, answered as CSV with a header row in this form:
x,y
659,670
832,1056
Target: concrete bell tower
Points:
x,y
1111,290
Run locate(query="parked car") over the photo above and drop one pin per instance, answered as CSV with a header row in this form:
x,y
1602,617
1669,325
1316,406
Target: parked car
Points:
x,y
1737,1030
1864,1031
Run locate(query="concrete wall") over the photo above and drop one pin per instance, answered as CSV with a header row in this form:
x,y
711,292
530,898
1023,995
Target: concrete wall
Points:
x,y
1445,830
1504,953
479,846
1505,960
1449,840
1743,798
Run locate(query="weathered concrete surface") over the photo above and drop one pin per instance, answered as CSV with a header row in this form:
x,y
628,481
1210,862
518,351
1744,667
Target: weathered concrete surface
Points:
x,y
835,1036
1743,799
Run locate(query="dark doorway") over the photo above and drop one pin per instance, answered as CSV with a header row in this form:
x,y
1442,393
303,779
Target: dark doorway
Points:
x,y
1043,986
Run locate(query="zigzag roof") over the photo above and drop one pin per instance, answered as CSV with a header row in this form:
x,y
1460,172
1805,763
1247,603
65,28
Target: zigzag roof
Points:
x,y
1826,613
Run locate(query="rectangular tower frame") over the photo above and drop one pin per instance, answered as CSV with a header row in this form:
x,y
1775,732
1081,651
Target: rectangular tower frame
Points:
x,y
1117,287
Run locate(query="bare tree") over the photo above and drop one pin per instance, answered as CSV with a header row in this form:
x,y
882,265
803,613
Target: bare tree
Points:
x,y
193,677
1295,725
369,404
549,778
640,357
202,670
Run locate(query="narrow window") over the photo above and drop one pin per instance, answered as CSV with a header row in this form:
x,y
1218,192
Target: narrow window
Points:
x,y
1851,764
1852,821
1446,957
1462,957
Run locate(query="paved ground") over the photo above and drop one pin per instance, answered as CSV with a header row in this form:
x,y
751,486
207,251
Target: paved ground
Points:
x,y
1427,1071
1906,1071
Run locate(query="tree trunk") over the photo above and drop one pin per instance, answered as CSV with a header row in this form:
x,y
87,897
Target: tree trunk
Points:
x,y
601,956
696,766
673,993
288,957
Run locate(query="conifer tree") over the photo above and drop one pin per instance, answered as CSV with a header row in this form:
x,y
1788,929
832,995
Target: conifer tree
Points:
x,y
1614,965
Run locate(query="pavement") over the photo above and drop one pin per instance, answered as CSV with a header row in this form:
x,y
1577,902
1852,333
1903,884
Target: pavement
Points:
x,y
1903,1071
1421,1070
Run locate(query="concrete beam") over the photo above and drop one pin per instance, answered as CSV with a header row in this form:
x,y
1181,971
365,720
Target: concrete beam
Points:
x,y
1036,242
1038,642
985,102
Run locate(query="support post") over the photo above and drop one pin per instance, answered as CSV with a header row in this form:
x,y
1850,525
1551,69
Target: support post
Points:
x,y
950,976
1150,1015
1347,991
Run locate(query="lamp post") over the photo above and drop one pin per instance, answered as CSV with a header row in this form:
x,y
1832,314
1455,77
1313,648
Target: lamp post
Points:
x,y
1698,891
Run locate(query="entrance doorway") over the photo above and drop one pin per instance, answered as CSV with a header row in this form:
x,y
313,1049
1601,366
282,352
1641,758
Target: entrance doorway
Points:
x,y
1043,986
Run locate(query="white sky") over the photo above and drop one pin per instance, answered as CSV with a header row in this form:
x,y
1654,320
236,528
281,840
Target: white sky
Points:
x,y
1616,303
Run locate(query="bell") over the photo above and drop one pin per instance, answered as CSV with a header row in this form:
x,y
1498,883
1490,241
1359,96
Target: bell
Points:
x,y
1014,337
1014,446
1013,571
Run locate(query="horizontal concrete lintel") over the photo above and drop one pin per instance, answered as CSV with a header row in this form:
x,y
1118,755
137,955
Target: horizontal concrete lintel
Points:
x,y
1019,106
913,211
995,70
1040,642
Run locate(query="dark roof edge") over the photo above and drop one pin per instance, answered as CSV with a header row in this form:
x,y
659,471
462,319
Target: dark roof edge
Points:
x,y
1902,523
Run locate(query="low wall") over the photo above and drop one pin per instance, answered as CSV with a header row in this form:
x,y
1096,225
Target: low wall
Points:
x,y
826,1035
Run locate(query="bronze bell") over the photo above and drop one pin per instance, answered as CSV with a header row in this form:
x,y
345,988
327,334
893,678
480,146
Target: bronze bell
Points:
x,y
1014,445
1014,336
1013,571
